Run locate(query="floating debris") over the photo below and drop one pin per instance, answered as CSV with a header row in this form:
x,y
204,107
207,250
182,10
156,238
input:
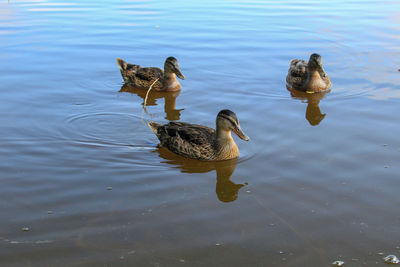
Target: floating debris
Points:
x,y
380,253
338,263
281,252
391,259
49,212
218,244
248,191
43,241
386,166
182,260
25,229
109,188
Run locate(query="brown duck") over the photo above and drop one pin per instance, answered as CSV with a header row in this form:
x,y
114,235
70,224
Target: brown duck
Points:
x,y
143,78
309,76
201,142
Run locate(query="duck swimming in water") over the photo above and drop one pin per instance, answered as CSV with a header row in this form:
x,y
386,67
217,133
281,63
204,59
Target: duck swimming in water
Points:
x,y
309,76
201,142
143,78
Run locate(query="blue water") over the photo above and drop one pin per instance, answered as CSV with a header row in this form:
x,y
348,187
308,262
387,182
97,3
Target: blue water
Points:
x,y
318,181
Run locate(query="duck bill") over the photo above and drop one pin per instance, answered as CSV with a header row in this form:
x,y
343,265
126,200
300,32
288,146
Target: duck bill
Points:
x,y
237,130
179,74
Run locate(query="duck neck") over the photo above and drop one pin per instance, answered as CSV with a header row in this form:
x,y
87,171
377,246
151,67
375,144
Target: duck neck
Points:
x,y
225,145
170,81
314,74
317,71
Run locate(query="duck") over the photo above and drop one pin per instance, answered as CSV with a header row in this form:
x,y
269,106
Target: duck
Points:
x,y
143,78
201,142
310,77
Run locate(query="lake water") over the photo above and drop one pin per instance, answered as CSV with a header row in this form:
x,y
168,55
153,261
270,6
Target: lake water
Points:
x,y
84,184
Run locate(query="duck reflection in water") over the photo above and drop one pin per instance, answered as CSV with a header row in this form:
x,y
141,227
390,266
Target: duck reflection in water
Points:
x,y
172,114
313,112
226,190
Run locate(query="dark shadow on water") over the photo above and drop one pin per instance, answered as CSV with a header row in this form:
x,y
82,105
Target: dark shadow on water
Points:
x,y
172,114
226,190
313,113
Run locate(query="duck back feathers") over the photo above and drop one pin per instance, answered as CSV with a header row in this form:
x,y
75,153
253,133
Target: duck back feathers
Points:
x,y
140,77
297,73
185,139
125,66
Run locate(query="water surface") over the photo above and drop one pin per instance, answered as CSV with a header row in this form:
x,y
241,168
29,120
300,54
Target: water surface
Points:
x,y
318,182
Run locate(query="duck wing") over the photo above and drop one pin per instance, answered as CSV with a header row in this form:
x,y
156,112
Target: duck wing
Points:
x,y
132,67
298,67
149,74
189,140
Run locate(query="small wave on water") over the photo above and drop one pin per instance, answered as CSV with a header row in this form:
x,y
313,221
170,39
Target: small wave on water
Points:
x,y
125,139
107,129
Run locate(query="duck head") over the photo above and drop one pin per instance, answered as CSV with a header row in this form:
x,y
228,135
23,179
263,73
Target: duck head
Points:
x,y
227,121
171,65
315,62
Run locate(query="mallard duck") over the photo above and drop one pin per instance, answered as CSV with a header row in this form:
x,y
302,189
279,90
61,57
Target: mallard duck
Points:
x,y
201,142
143,78
308,76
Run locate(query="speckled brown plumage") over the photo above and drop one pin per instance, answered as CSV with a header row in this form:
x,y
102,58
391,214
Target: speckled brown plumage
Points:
x,y
199,142
185,139
308,76
143,78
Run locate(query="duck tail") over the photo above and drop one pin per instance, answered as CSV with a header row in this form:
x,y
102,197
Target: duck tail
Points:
x,y
153,126
121,64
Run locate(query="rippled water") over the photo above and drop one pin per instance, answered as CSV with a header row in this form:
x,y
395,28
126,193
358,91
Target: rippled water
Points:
x,y
318,182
